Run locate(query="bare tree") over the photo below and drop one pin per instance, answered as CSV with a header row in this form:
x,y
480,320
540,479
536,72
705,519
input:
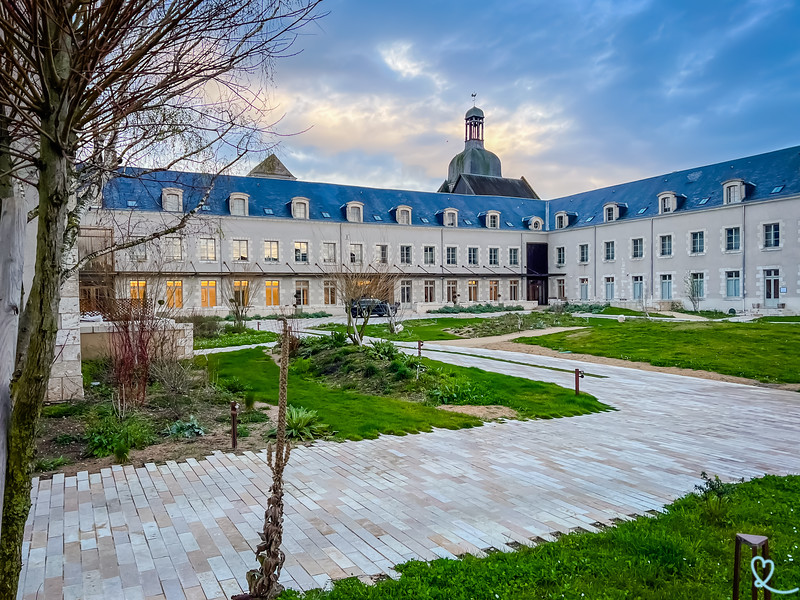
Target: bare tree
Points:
x,y
693,289
84,85
239,292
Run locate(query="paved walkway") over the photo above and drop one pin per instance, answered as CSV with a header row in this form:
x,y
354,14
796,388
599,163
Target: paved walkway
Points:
x,y
185,530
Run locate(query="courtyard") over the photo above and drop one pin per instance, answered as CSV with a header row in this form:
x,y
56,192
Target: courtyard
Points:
x,y
187,529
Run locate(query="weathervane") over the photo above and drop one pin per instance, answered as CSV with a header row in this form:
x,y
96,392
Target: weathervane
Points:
x,y
474,94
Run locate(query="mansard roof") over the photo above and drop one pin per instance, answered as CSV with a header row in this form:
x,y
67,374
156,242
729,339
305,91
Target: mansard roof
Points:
x,y
769,176
271,198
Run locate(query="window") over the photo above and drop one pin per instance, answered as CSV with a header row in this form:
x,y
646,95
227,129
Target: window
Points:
x,y
666,287
698,242
301,252
301,293
698,283
429,255
610,252
430,290
273,293
356,254
208,293
666,245
138,290
405,291
732,194
513,289
241,292
299,208
354,214
451,218
405,255
139,252
238,204
493,221
561,287
609,213
172,199
472,256
452,290
173,249
638,287
772,235
208,249
561,255
584,285
561,221
583,253
494,290
472,288
175,294
609,288
239,251
329,252
329,292
637,248
733,239
494,257
666,204
271,252
382,253
513,257
535,223
732,284
452,255
404,216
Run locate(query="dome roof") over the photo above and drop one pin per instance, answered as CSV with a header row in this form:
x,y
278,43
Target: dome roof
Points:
x,y
474,160
474,112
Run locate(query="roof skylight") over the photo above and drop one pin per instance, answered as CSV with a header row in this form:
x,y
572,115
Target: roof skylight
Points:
x,y
508,223
326,214
269,211
424,219
641,211
704,201
377,217
589,219
777,189
467,222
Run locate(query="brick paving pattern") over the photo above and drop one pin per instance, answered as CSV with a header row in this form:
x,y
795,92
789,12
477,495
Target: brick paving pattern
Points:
x,y
186,530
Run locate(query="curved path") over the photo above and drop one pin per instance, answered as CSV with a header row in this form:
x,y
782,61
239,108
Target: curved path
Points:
x,y
185,530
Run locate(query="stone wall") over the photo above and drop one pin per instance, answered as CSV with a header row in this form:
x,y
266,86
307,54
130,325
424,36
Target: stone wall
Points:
x,y
66,381
95,339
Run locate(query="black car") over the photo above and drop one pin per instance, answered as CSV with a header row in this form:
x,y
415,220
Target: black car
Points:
x,y
372,307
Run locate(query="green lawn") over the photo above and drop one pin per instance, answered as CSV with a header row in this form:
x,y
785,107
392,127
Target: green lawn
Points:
x,y
795,319
226,340
352,415
769,353
417,329
685,553
627,312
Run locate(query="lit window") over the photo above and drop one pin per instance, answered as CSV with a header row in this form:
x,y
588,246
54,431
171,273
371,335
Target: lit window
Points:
x,y
138,291
241,292
472,287
273,293
208,293
175,294
208,249
329,292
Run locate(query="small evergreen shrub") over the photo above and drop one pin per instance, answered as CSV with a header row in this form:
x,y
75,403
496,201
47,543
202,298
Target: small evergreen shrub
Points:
x,y
185,429
106,435
302,424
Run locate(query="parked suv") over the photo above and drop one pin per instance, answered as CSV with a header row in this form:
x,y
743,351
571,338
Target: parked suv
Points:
x,y
372,307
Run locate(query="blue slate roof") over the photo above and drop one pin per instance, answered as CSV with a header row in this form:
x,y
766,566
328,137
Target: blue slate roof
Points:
x,y
701,186
135,185
769,176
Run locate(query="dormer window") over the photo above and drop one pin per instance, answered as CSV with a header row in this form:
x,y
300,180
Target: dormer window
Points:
x,y
561,220
172,199
493,219
535,224
451,217
355,212
239,204
667,203
403,215
300,208
610,212
733,191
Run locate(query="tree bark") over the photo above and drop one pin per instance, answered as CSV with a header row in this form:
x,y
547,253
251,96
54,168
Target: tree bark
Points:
x,y
13,219
35,350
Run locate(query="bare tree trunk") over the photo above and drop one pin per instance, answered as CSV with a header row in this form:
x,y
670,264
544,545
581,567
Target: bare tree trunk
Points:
x,y
263,582
13,219
35,350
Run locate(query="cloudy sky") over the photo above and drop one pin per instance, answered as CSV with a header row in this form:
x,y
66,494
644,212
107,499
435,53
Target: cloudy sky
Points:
x,y
577,94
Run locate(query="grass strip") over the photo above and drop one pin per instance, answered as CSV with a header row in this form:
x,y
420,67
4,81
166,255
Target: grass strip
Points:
x,y
227,340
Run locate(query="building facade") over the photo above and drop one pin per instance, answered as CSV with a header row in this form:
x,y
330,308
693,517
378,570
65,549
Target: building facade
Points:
x,y
724,236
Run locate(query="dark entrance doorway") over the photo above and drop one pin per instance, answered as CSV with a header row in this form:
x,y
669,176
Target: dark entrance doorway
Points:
x,y
537,272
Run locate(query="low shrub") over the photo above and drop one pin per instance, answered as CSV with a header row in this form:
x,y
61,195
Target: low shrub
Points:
x,y
242,431
580,308
50,464
371,369
234,385
185,429
253,416
64,409
382,350
205,326
106,435
458,391
302,424
300,315
474,309
175,377
65,439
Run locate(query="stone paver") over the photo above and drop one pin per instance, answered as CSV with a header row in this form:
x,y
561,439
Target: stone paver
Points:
x,y
186,530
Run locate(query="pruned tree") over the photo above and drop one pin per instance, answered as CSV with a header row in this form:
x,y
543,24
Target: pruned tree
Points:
x,y
85,86
239,292
693,288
